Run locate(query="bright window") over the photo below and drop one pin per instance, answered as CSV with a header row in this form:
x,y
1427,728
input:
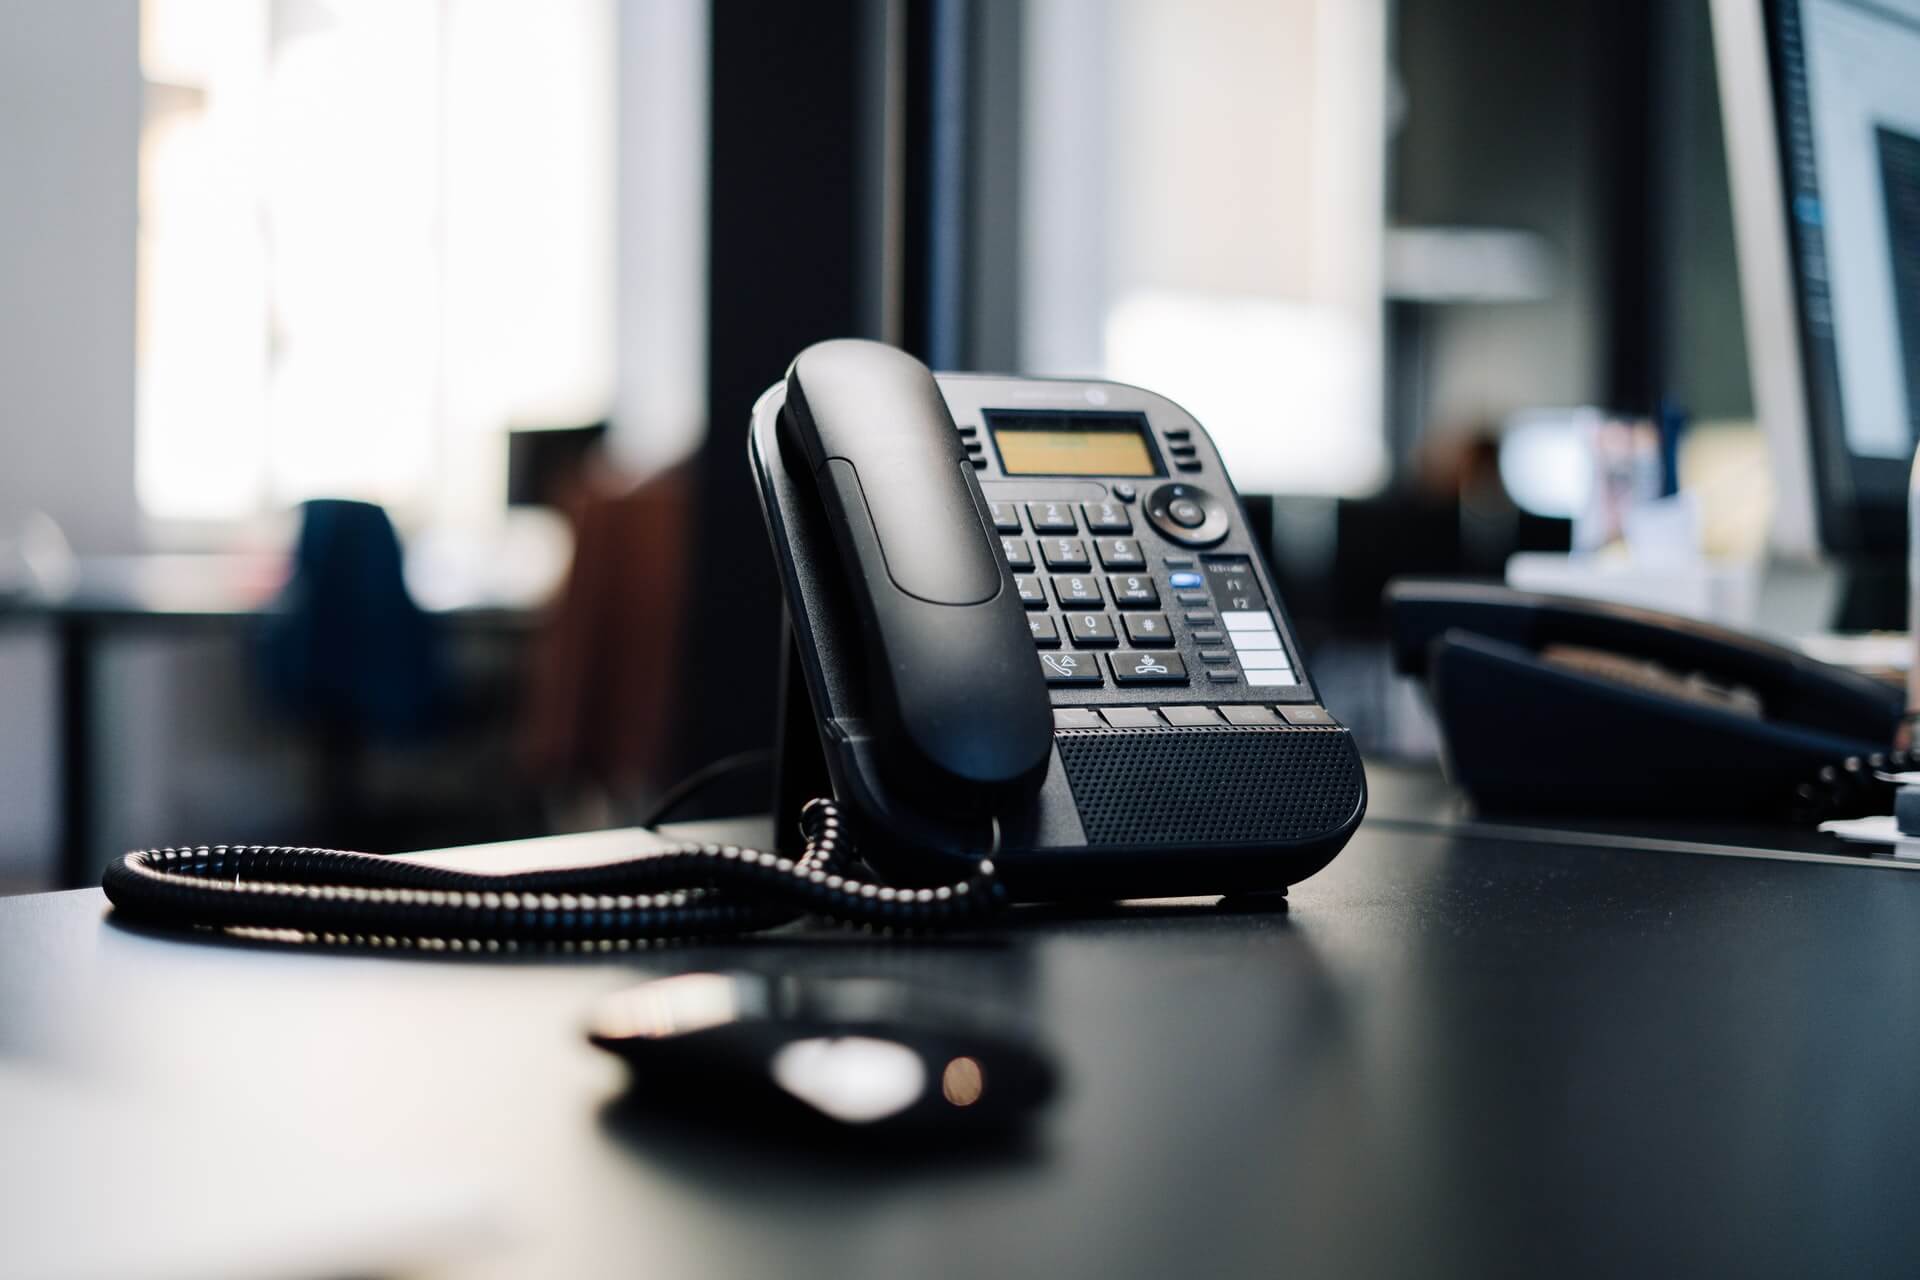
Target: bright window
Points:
x,y
374,234
1203,216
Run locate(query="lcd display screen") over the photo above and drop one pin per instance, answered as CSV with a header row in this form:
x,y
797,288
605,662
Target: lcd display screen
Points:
x,y
1072,444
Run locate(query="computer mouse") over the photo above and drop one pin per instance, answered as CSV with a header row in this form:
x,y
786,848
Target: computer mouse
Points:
x,y
869,1055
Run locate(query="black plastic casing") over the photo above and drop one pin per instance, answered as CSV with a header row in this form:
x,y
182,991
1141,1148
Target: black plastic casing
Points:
x,y
1195,811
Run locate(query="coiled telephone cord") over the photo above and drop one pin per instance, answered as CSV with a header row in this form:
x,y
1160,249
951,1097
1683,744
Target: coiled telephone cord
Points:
x,y
682,891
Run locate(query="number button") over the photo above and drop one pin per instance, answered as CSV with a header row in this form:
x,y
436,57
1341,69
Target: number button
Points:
x,y
1006,517
1106,517
1031,594
1149,631
1045,634
1070,668
1091,631
1134,591
1077,591
1017,554
1065,553
1121,553
1051,517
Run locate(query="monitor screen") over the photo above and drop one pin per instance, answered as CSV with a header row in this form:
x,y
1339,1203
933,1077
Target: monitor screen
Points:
x,y
1072,444
1846,87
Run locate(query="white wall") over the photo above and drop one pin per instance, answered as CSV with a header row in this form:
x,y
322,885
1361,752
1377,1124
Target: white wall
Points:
x,y
69,132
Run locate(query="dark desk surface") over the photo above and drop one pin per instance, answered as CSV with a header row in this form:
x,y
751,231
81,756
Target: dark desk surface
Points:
x,y
1453,1055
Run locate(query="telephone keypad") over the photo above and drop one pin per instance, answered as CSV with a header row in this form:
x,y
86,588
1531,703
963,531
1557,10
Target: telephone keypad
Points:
x,y
1065,553
1148,630
1134,591
1071,591
1091,631
1071,668
1073,545
1051,517
1132,666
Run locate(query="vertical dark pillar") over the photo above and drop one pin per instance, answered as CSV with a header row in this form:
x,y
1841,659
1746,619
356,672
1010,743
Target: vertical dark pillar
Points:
x,y
783,272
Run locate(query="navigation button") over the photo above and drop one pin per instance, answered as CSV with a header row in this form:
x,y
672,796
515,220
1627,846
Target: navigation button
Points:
x,y
1133,667
1148,630
1070,668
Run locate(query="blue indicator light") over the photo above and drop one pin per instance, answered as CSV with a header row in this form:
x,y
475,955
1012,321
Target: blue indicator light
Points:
x,y
1180,580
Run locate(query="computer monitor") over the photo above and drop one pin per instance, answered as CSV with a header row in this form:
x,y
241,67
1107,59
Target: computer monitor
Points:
x,y
1821,106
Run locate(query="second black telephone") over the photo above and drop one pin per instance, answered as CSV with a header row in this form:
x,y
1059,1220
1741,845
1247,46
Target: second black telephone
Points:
x,y
1027,617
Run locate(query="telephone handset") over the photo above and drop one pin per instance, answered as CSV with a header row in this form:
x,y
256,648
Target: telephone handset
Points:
x,y
962,704
1028,617
1555,705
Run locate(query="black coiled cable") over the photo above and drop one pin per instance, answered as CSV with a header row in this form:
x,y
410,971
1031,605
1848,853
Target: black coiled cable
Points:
x,y
682,891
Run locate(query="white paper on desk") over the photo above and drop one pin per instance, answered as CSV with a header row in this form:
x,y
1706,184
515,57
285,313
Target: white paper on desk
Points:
x,y
1880,829
96,1184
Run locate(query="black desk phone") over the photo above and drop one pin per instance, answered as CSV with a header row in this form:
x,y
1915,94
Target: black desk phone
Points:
x,y
1564,706
1034,655
1027,617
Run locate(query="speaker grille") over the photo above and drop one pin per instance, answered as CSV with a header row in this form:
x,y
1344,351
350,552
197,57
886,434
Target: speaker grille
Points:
x,y
1280,783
